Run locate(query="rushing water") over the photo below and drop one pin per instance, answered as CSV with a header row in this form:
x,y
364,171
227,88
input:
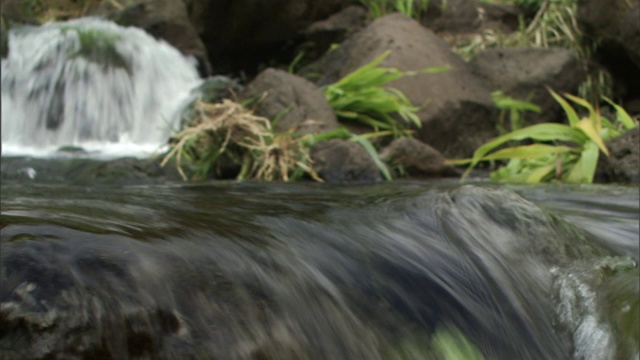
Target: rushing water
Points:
x,y
92,84
268,271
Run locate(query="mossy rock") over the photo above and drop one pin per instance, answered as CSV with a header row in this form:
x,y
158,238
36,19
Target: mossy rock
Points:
x,y
98,47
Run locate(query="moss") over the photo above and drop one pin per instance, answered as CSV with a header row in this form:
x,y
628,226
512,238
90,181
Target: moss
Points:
x,y
98,47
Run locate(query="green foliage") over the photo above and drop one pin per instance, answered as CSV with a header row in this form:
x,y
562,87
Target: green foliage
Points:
x,y
360,96
515,108
97,46
447,343
566,153
410,8
554,25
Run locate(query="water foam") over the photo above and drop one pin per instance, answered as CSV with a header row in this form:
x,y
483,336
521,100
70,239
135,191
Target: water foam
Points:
x,y
92,84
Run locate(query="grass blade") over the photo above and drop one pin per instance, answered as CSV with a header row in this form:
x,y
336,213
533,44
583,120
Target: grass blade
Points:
x,y
572,116
374,155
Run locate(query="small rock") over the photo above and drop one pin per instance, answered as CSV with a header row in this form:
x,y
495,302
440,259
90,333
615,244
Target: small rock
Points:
x,y
417,158
339,161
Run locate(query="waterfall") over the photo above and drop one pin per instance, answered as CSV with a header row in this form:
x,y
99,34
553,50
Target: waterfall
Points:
x,y
92,84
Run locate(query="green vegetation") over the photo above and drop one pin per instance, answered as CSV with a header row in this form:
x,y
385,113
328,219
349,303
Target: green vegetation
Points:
x,y
553,24
446,344
515,108
360,96
97,46
219,138
567,153
410,8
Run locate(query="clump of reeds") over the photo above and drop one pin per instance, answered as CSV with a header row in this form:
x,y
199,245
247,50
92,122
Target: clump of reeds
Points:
x,y
227,133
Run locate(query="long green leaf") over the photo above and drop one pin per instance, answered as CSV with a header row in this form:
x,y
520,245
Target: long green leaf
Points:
x,y
572,116
540,132
594,116
527,152
538,174
587,126
374,155
622,115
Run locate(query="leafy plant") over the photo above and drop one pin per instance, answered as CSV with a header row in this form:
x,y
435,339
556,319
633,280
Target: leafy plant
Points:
x,y
515,108
360,96
447,343
560,152
410,8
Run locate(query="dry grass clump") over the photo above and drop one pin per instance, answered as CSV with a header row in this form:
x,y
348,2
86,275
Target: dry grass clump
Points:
x,y
56,10
554,25
226,133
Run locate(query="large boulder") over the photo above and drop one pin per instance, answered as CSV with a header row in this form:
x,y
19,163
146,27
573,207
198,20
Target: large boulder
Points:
x,y
296,103
615,26
459,114
525,73
340,161
240,34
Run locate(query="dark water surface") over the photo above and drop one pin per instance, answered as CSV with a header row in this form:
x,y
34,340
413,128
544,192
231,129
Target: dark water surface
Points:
x,y
306,271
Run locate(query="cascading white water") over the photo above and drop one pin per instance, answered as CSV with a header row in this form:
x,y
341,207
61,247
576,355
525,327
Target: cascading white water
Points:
x,y
93,84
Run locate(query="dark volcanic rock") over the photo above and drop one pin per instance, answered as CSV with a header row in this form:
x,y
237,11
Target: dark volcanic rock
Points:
x,y
340,161
240,34
524,72
615,27
623,164
297,103
458,113
321,35
417,158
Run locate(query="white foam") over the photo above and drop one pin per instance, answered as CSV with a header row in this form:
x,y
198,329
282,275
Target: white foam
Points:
x,y
108,109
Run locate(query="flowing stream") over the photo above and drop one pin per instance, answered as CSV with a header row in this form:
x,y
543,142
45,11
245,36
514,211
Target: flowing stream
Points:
x,y
401,270
254,271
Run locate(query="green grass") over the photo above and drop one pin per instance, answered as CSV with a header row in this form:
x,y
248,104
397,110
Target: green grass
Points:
x,y
362,96
559,152
410,8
